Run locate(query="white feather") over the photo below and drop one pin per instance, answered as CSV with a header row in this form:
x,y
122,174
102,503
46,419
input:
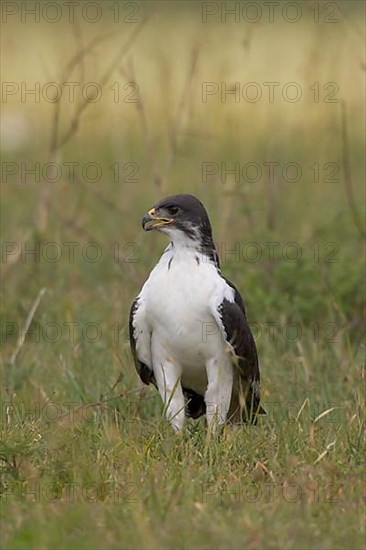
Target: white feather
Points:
x,y
179,333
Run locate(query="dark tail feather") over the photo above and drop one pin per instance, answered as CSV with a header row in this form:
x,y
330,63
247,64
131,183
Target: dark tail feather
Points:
x,y
195,405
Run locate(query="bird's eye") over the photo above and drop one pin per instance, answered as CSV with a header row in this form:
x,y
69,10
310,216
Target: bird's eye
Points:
x,y
173,210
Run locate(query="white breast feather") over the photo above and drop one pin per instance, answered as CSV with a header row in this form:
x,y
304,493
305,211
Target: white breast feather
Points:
x,y
179,310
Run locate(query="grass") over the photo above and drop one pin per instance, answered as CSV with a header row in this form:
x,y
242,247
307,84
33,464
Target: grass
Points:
x,y
86,459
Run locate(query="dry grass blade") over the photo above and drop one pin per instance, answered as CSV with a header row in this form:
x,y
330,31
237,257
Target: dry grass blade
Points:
x,y
129,74
324,413
184,100
23,332
347,172
329,448
56,142
177,124
77,59
74,125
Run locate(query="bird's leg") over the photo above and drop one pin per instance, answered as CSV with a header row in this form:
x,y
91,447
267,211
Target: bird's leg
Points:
x,y
219,389
168,380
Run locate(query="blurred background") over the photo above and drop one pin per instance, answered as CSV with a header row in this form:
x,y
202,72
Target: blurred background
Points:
x,y
108,107
258,108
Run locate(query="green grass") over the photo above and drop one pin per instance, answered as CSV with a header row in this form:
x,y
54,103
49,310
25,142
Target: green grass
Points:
x,y
86,459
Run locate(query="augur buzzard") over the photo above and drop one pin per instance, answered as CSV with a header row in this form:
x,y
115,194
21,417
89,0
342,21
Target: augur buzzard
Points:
x,y
189,332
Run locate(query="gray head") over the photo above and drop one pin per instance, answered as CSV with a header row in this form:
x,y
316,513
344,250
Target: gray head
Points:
x,y
182,217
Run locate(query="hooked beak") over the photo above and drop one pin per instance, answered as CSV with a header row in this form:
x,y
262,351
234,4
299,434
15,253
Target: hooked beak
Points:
x,y
152,221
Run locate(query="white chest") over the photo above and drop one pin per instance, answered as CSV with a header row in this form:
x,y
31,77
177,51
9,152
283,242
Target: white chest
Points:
x,y
178,297
180,288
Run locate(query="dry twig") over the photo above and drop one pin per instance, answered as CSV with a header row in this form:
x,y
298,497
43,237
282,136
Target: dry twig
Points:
x,y
23,332
347,172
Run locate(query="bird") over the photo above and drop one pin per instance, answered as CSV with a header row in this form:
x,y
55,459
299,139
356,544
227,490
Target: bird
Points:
x,y
189,333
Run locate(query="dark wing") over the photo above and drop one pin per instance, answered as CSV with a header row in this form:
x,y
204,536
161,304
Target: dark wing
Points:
x,y
144,371
245,358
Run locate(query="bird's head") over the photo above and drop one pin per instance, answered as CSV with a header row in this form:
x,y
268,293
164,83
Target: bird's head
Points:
x,y
182,217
